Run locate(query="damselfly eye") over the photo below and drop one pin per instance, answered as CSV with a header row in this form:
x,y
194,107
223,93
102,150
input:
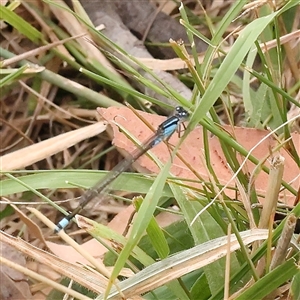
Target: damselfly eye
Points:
x,y
181,112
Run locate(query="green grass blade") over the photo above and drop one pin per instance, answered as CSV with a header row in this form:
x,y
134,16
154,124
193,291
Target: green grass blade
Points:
x,y
141,222
68,85
101,231
204,229
271,281
295,287
155,234
76,178
9,79
231,64
20,24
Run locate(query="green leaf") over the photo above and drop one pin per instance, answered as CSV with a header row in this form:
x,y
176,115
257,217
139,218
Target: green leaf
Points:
x,y
200,289
261,108
229,66
247,37
55,179
7,211
204,229
12,75
141,221
155,233
271,281
100,231
295,286
20,24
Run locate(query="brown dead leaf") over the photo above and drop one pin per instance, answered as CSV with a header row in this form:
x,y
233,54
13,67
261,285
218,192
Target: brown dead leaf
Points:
x,y
13,283
192,147
33,228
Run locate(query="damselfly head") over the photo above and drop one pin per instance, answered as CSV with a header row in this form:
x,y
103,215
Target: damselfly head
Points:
x,y
181,113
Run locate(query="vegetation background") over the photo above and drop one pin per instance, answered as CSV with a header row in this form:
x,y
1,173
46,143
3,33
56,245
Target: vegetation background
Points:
x,y
229,63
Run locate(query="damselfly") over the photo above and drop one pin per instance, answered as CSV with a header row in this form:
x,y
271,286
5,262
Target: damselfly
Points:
x,y
164,132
